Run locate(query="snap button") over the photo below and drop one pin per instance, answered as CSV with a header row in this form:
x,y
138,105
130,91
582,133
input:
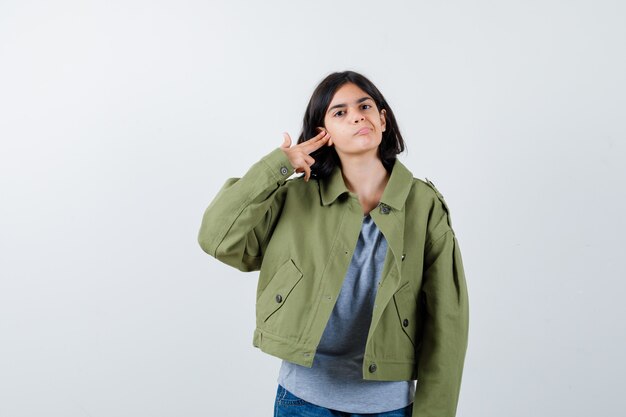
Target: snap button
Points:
x,y
279,298
405,322
284,170
373,368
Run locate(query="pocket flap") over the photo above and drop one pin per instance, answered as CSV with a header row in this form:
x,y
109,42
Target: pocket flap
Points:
x,y
280,286
406,306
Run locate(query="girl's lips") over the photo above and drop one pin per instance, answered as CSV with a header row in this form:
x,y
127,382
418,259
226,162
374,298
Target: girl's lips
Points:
x,y
364,131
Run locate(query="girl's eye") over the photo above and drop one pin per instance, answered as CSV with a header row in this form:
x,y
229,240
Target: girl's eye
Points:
x,y
342,110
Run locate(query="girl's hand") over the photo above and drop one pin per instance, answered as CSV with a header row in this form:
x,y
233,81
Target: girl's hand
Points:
x,y
299,155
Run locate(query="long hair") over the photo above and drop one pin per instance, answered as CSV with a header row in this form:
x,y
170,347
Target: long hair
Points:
x,y
326,157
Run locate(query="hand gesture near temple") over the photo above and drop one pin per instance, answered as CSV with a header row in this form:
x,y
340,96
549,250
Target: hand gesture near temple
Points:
x,y
299,154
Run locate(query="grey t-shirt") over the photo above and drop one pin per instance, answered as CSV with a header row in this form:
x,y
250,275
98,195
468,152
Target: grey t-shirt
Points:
x,y
335,380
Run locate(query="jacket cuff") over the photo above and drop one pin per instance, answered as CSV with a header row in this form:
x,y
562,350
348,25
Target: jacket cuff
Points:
x,y
278,164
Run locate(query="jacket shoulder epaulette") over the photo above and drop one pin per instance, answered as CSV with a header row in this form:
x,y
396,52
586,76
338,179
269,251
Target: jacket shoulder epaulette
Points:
x,y
440,197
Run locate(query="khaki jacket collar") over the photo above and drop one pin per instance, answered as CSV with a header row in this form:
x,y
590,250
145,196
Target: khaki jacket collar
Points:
x,y
394,195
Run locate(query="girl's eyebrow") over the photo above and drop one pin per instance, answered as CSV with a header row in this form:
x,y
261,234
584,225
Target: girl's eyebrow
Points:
x,y
344,105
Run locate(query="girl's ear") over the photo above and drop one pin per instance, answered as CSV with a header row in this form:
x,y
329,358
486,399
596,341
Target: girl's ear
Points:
x,y
383,120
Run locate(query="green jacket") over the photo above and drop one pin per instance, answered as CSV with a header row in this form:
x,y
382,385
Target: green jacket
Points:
x,y
301,235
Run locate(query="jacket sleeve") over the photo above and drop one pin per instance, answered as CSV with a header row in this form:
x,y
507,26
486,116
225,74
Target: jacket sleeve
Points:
x,y
238,223
446,323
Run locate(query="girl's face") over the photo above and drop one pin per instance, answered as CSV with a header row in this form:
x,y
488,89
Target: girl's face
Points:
x,y
351,110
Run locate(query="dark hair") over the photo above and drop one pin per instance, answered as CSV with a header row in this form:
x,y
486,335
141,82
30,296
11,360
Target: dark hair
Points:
x,y
326,157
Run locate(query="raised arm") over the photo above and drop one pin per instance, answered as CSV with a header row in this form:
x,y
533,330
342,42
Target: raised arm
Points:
x,y
238,222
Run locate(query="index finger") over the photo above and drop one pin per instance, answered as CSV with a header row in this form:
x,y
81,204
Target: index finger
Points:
x,y
319,136
315,142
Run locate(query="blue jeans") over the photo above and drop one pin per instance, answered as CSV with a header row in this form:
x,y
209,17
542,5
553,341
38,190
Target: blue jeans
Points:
x,y
288,405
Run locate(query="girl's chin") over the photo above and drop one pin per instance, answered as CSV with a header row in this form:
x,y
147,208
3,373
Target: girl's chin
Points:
x,y
360,147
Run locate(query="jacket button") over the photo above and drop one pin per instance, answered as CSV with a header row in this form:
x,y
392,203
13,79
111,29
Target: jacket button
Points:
x,y
403,255
284,170
279,298
373,368
405,322
384,208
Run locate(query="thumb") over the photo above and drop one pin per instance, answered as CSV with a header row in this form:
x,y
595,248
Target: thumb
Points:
x,y
286,140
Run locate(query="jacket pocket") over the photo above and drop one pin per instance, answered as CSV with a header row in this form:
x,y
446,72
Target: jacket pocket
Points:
x,y
275,294
406,306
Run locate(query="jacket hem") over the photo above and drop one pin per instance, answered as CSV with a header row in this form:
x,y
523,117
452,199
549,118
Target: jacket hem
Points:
x,y
389,369
300,354
288,350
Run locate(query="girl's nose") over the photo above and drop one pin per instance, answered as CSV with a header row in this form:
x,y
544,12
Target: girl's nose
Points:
x,y
359,117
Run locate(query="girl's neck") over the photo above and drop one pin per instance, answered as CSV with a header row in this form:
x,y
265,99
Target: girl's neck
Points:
x,y
365,177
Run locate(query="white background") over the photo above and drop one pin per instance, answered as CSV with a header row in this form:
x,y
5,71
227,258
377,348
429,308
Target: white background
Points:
x,y
120,120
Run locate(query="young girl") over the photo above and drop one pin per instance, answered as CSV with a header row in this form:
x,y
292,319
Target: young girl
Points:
x,y
361,289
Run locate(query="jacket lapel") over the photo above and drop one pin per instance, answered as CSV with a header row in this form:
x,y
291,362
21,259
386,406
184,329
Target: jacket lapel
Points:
x,y
389,216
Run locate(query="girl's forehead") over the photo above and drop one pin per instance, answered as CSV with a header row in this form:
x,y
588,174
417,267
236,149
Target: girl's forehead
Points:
x,y
348,97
